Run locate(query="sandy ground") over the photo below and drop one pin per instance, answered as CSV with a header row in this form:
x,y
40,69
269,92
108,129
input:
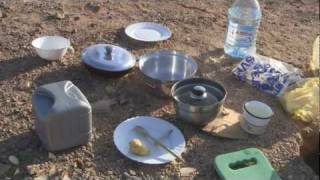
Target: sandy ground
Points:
x,y
287,32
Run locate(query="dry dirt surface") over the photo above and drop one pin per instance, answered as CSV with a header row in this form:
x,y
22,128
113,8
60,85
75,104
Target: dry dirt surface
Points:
x,y
287,31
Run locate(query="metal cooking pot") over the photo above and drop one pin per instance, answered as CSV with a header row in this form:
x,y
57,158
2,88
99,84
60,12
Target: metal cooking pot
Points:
x,y
161,69
198,100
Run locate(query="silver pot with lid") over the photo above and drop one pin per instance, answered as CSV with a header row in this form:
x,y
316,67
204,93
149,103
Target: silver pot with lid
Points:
x,y
108,59
198,100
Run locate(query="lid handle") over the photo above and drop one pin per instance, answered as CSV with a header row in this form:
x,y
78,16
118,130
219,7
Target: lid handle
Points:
x,y
107,54
198,92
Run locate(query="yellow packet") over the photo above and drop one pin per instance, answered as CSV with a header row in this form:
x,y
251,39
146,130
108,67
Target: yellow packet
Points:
x,y
302,100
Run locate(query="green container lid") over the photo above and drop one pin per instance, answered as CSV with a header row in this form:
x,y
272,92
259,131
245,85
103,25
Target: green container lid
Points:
x,y
247,164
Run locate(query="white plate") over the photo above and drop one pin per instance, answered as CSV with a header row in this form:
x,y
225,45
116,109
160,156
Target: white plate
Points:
x,y
124,134
148,32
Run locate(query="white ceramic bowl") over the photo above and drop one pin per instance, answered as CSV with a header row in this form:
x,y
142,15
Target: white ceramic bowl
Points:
x,y
51,47
256,117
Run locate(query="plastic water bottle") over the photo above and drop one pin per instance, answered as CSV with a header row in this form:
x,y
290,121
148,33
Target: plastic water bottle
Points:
x,y
243,21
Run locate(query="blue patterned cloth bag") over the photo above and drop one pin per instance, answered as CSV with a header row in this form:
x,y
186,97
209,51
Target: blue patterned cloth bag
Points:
x,y
267,74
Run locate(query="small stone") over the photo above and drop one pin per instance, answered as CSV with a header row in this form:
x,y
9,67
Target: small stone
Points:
x,y
4,168
76,18
32,169
132,172
92,25
14,160
52,171
66,177
51,156
1,15
75,165
307,132
80,163
28,84
60,15
42,177
110,172
127,175
131,177
92,7
187,171
16,172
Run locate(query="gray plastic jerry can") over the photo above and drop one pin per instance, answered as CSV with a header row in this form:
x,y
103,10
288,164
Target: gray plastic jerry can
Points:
x,y
63,115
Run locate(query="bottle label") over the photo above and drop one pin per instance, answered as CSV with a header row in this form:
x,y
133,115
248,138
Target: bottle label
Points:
x,y
241,35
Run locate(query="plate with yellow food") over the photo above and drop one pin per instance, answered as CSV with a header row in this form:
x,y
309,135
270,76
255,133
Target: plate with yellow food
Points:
x,y
141,148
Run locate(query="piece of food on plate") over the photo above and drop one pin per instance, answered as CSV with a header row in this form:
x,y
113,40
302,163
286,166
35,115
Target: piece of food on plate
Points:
x,y
138,148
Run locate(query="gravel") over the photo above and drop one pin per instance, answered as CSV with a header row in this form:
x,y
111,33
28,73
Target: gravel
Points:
x,y
4,168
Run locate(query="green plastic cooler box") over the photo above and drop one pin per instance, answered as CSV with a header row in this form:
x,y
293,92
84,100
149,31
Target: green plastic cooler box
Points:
x,y
247,164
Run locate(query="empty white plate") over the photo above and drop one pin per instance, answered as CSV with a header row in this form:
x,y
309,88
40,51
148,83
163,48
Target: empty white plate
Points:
x,y
156,127
148,32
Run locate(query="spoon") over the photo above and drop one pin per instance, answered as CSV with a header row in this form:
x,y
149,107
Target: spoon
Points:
x,y
144,132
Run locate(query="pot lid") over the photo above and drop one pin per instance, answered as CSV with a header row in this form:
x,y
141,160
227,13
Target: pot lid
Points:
x,y
108,57
198,92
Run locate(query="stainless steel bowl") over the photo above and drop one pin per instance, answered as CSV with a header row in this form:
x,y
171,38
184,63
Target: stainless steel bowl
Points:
x,y
198,100
161,69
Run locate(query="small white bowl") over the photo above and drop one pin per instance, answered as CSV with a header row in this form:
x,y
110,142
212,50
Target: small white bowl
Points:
x,y
256,117
52,47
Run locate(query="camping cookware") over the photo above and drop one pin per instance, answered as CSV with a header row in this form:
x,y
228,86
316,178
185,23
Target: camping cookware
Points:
x,y
125,133
52,47
108,59
145,133
161,69
198,100
148,32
